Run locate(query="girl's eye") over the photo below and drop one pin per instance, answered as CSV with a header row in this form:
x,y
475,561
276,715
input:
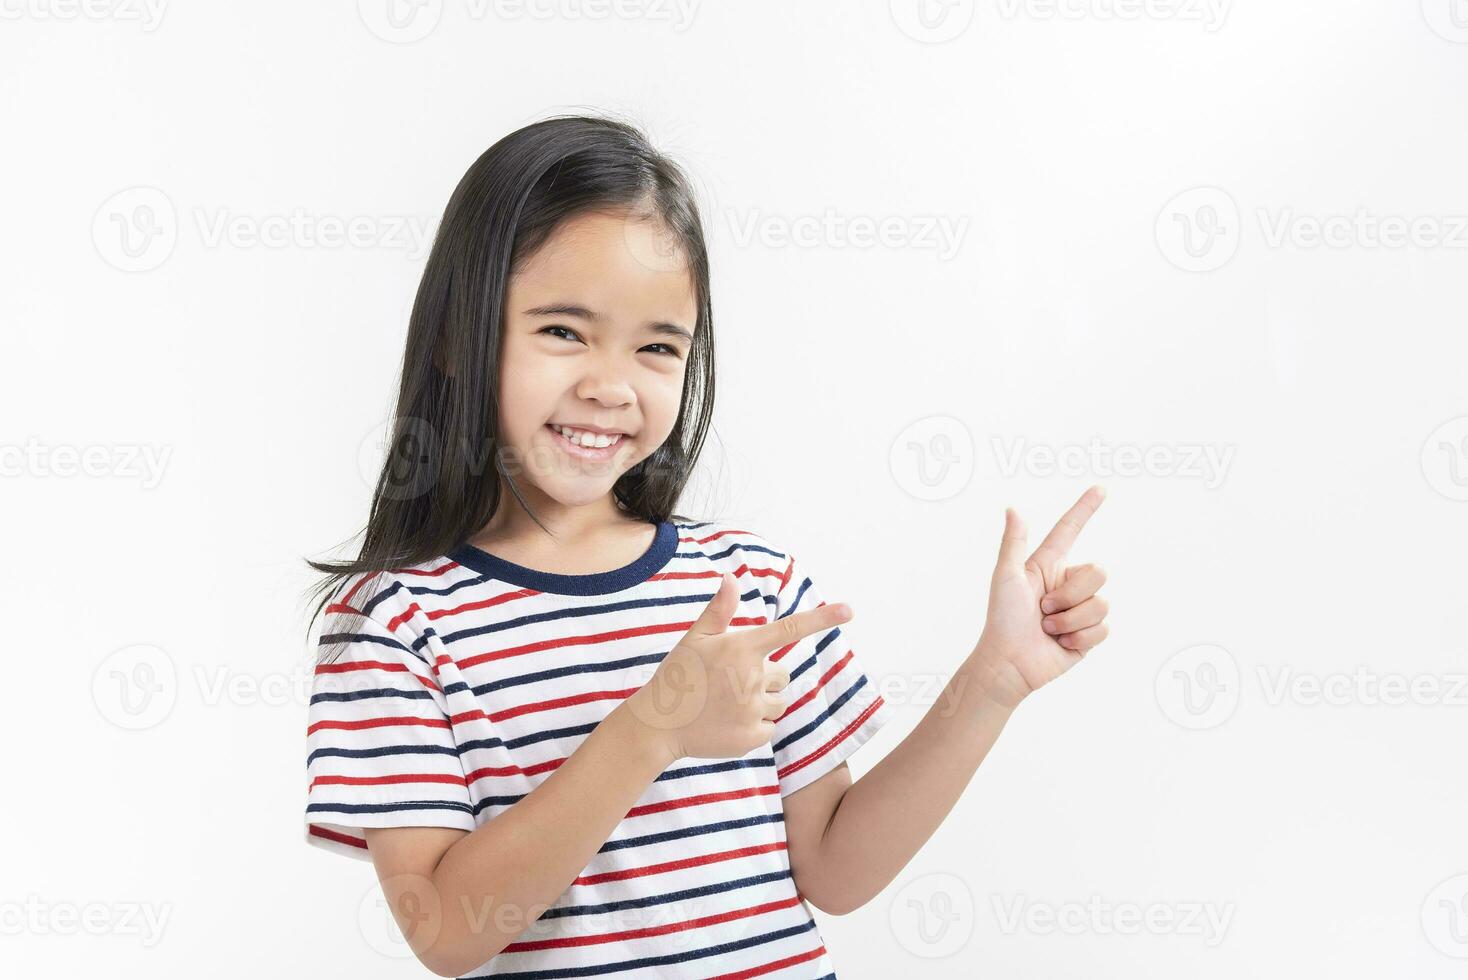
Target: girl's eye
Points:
x,y
667,349
566,329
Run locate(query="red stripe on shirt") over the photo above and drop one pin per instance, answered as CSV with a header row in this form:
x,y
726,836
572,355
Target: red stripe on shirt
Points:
x,y
352,726
700,799
755,971
690,539
501,771
569,641
490,603
681,864
553,703
825,678
592,638
318,831
392,780
835,740
614,937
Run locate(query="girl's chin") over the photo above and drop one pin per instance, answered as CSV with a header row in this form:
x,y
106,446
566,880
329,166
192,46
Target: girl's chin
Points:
x,y
576,493
574,482
567,476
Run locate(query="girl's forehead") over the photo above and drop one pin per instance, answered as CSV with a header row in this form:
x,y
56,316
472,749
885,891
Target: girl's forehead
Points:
x,y
611,264
602,235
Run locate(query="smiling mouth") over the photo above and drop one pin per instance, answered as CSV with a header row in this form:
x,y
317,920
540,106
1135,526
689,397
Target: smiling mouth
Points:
x,y
586,445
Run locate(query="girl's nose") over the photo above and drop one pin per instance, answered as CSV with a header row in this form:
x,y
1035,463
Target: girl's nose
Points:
x,y
606,389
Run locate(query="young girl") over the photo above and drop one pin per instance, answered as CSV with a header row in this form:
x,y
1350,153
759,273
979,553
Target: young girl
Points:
x,y
577,734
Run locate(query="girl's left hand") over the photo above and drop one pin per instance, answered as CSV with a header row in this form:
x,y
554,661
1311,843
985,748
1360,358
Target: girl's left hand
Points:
x,y
1044,616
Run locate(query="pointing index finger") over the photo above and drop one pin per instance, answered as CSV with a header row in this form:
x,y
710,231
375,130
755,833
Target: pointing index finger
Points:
x,y
1057,543
797,626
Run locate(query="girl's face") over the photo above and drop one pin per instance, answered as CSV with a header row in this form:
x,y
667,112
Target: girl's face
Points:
x,y
598,327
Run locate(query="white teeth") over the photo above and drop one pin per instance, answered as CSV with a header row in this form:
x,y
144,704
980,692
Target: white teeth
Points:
x,y
590,440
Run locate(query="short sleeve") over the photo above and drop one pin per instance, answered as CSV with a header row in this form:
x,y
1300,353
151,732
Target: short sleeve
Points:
x,y
832,706
380,747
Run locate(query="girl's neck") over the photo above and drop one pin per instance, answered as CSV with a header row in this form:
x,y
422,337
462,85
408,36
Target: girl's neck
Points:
x,y
587,522
585,540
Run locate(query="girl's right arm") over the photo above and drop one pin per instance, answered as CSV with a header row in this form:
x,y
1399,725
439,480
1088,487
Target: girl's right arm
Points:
x,y
461,897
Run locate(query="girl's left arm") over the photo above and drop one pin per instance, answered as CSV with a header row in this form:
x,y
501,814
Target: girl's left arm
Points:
x,y
846,840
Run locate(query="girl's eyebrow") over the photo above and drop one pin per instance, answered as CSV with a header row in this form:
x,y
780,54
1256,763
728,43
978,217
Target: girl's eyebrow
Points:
x,y
571,309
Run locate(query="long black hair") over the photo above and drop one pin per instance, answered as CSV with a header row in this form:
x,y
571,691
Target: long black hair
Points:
x,y
440,482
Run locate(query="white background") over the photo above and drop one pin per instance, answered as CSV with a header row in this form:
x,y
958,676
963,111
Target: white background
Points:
x,y
870,397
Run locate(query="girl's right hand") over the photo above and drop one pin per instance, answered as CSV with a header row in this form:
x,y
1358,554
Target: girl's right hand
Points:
x,y
715,696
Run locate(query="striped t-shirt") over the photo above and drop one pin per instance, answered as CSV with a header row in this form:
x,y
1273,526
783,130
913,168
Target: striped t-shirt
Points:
x,y
472,678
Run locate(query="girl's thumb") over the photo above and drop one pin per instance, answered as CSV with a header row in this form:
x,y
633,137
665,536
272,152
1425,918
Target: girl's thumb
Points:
x,y
720,609
1012,545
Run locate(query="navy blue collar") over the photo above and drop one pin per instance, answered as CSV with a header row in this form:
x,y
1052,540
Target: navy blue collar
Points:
x,y
664,545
